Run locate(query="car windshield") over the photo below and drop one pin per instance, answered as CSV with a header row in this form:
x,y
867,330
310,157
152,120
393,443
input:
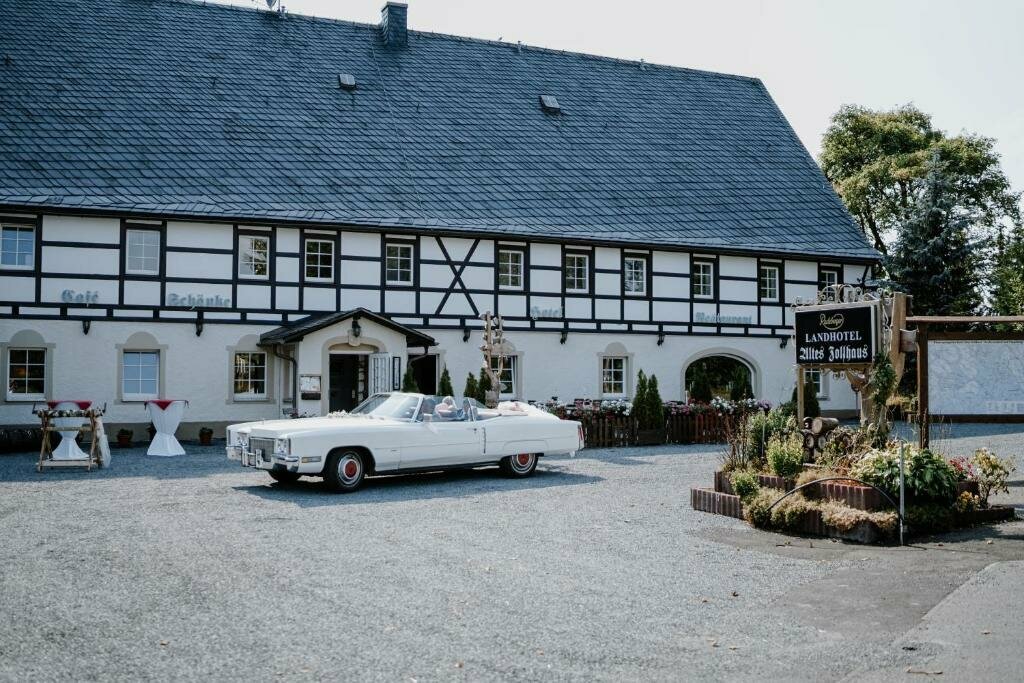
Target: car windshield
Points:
x,y
394,406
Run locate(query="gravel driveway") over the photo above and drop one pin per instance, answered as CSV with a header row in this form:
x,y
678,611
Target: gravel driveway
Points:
x,y
192,567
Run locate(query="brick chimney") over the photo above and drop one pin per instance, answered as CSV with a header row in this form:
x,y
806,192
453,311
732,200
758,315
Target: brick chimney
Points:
x,y
393,25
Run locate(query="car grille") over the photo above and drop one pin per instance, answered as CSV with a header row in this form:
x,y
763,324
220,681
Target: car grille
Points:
x,y
266,445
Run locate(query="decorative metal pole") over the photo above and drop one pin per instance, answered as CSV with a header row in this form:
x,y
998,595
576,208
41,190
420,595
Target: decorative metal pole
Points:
x,y
902,508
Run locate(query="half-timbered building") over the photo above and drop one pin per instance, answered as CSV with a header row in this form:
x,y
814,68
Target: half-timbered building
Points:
x,y
263,213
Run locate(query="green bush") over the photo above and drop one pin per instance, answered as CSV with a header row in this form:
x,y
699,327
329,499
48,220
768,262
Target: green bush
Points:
x,y
755,509
483,385
655,407
471,389
786,455
927,475
760,429
445,385
744,484
929,518
409,380
790,513
639,411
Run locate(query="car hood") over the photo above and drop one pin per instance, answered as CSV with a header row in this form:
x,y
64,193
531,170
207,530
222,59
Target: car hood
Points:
x,y
283,428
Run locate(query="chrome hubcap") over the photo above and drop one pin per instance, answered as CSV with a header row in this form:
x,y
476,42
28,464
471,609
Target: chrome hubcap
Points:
x,y
349,468
522,462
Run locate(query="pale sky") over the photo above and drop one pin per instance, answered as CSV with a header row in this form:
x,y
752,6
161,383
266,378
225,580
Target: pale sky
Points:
x,y
961,61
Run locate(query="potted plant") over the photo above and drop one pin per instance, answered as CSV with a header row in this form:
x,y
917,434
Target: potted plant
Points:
x,y
124,438
205,436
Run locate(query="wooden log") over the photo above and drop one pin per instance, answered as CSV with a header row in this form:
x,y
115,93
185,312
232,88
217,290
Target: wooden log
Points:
x,y
820,425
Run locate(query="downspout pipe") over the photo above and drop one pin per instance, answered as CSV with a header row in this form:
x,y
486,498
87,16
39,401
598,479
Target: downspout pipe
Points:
x,y
276,350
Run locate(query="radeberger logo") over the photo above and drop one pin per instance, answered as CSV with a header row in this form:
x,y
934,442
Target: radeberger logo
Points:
x,y
832,322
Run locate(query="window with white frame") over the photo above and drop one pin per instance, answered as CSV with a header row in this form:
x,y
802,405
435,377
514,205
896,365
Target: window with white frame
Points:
x,y
253,257
577,273
250,375
398,264
703,279
142,252
26,374
613,376
510,269
17,247
507,376
829,277
817,379
634,275
768,283
140,375
320,260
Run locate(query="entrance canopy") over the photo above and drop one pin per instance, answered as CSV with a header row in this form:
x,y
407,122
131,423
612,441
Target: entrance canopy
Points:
x,y
287,334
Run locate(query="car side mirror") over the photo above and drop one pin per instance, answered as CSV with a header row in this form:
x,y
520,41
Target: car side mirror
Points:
x,y
427,417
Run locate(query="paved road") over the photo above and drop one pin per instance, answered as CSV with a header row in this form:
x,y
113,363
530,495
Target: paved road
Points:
x,y
193,568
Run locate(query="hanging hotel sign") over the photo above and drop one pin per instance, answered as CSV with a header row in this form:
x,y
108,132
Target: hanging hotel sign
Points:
x,y
836,335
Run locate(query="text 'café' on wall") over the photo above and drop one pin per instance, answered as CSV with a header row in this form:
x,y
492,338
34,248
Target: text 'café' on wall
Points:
x,y
261,236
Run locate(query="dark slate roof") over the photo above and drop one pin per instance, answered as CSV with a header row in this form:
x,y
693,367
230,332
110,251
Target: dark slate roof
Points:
x,y
287,334
174,107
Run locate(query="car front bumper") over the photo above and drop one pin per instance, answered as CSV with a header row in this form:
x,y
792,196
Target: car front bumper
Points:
x,y
276,461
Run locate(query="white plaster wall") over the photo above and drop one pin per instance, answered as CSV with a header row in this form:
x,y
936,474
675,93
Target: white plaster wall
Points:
x,y
195,368
81,260
199,235
81,229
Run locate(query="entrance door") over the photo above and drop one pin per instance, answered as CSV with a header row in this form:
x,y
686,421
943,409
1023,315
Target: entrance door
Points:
x,y
425,371
347,380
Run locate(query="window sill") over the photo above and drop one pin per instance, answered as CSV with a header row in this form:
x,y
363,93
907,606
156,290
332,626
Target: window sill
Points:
x,y
21,398
245,399
254,278
577,291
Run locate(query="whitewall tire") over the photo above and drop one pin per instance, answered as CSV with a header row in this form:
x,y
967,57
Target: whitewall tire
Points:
x,y
345,471
521,465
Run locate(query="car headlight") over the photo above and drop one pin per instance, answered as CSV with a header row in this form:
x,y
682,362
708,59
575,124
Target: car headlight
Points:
x,y
283,446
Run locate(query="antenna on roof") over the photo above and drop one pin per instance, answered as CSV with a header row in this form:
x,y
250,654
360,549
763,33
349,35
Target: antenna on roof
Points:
x,y
273,5
643,64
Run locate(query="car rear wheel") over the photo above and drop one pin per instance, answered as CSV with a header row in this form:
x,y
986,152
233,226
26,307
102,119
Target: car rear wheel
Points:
x,y
344,471
521,465
283,476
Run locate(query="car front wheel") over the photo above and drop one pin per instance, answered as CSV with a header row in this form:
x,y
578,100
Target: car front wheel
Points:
x,y
345,471
521,465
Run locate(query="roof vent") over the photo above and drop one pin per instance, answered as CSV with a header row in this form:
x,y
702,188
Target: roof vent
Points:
x,y
347,81
549,103
394,24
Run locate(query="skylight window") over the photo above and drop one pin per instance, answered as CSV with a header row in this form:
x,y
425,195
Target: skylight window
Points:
x,y
347,81
549,103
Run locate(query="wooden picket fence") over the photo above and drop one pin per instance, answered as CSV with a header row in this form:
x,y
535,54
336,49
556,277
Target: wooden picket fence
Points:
x,y
609,431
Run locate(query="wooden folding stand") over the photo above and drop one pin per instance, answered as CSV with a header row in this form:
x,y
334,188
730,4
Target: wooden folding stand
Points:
x,y
46,460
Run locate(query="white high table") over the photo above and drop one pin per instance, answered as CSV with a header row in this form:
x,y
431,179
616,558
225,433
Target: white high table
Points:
x,y
166,416
68,428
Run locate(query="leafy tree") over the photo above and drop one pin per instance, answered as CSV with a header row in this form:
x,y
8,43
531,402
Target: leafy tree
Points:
x,y
471,390
445,387
409,380
935,258
655,412
1007,296
873,159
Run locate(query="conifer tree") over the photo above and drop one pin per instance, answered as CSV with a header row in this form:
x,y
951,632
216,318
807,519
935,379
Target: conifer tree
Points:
x,y
445,387
471,389
409,380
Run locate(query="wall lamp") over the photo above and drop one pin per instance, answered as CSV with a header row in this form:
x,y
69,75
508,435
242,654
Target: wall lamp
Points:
x,y
357,329
661,338
563,336
86,324
784,343
465,334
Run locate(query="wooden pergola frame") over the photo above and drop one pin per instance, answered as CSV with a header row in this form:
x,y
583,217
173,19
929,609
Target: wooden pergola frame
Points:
x,y
924,333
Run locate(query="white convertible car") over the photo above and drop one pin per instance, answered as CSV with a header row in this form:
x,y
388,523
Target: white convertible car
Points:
x,y
399,433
